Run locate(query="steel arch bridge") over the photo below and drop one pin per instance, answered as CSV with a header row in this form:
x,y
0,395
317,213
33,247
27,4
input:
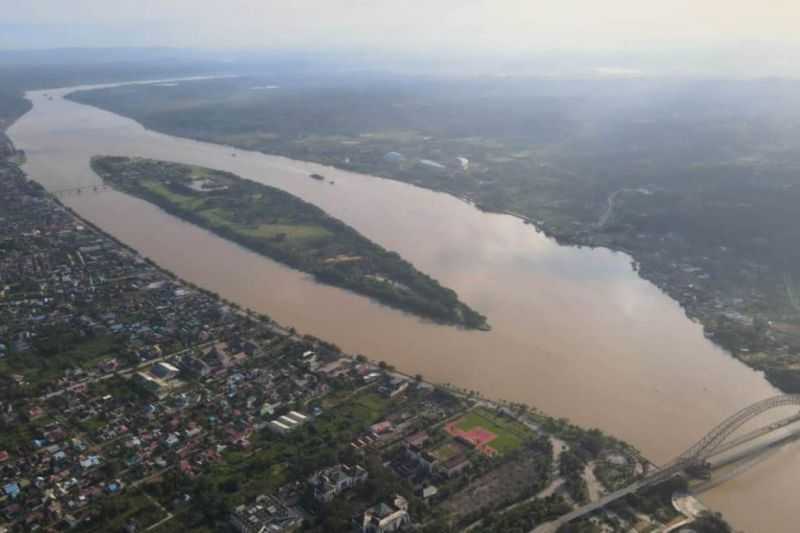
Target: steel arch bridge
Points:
x,y
714,439
713,443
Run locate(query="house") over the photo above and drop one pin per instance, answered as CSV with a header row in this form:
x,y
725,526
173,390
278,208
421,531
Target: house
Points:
x,y
279,427
334,368
424,459
330,482
148,382
288,422
269,408
372,376
429,492
381,427
267,514
417,440
298,417
383,518
90,461
250,347
164,370
455,465
110,365
195,366
12,490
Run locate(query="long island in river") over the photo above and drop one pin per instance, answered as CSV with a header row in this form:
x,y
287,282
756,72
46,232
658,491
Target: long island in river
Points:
x,y
285,228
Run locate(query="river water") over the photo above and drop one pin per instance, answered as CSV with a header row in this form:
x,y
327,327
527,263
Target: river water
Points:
x,y
576,332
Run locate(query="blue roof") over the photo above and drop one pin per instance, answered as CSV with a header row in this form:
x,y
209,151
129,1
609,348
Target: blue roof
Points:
x,y
12,489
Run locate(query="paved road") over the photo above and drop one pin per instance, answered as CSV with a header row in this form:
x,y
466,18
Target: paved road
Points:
x,y
662,475
653,479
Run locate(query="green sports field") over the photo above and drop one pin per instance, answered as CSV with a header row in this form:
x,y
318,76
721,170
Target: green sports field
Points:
x,y
510,434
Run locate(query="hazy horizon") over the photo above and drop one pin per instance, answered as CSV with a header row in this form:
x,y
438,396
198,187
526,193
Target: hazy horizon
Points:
x,y
621,37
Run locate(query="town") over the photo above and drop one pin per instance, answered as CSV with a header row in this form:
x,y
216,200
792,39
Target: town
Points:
x,y
135,401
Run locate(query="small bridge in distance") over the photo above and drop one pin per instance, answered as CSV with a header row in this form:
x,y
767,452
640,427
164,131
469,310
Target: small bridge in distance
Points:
x,y
75,191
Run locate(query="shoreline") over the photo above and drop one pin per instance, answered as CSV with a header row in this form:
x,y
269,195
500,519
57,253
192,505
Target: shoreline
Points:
x,y
522,414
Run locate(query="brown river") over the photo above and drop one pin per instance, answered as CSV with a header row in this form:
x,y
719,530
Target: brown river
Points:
x,y
576,332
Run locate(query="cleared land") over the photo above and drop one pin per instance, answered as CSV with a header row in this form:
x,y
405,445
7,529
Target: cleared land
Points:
x,y
287,229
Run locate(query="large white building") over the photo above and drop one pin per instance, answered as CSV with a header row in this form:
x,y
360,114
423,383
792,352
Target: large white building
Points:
x,y
330,482
286,423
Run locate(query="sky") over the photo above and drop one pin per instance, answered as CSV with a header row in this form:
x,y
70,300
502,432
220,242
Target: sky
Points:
x,y
409,26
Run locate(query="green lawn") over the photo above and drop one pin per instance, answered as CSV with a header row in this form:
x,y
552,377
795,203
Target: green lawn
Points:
x,y
223,217
21,435
118,510
293,232
355,414
447,451
42,367
251,475
92,425
510,434
181,200
278,459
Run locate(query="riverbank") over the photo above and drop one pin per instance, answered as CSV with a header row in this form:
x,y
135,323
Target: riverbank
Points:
x,y
98,398
289,230
732,282
735,302
743,324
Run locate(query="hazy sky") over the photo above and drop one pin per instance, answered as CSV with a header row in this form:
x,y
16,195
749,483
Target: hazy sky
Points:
x,y
412,25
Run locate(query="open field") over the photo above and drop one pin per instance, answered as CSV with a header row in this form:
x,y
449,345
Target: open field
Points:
x,y
488,429
447,451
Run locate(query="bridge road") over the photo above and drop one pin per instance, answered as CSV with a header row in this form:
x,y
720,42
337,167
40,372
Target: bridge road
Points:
x,y
712,444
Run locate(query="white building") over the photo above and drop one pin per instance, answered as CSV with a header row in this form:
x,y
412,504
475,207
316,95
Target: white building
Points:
x,y
330,482
384,518
164,370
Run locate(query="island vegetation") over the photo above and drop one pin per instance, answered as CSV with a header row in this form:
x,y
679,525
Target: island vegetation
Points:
x,y
285,228
695,180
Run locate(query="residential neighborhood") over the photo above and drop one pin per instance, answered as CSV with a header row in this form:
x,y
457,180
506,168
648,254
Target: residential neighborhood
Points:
x,y
132,401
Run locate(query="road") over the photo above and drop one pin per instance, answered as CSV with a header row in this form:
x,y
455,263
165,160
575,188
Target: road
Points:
x,y
605,218
124,372
789,284
653,479
674,468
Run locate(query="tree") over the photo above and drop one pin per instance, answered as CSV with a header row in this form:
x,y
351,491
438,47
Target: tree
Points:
x,y
711,523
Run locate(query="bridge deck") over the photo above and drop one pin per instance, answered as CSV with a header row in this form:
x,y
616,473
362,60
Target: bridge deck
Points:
x,y
712,444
